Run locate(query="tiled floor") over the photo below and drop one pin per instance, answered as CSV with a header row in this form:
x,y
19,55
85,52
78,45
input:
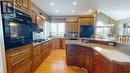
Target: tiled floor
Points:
x,y
55,63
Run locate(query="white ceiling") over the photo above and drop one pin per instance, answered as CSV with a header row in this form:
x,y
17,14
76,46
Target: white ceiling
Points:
x,y
117,9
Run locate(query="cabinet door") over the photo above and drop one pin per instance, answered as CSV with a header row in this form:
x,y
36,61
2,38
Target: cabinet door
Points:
x,y
85,58
71,55
45,50
86,21
19,60
26,4
102,65
33,17
55,44
23,66
18,3
63,45
37,58
38,20
71,27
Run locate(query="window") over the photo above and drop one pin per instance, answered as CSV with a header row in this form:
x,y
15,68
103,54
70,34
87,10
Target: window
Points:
x,y
102,31
57,29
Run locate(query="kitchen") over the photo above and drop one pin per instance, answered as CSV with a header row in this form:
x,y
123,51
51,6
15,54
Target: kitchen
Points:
x,y
39,36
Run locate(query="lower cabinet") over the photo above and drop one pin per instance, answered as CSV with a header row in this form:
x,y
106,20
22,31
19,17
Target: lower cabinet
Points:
x,y
62,43
40,53
84,57
26,59
56,44
45,50
37,56
93,62
19,60
102,65
79,56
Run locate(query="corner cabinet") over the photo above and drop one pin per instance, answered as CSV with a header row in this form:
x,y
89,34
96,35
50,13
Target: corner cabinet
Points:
x,y
19,60
79,56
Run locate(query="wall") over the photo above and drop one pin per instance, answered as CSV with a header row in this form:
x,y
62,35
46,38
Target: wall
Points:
x,y
2,48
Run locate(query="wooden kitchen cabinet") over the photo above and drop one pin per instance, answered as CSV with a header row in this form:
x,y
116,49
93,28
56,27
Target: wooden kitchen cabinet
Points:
x,y
26,59
71,26
80,56
102,65
86,20
24,5
84,57
46,50
71,57
40,53
34,17
37,56
56,44
39,20
123,68
62,43
19,60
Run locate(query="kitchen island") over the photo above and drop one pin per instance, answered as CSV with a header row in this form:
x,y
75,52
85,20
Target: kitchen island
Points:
x,y
98,56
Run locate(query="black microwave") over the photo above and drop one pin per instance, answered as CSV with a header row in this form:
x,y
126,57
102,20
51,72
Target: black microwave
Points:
x,y
17,29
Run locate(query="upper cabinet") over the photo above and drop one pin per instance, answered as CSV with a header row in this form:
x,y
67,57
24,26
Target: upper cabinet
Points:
x,y
72,26
23,4
86,20
33,16
37,18
40,20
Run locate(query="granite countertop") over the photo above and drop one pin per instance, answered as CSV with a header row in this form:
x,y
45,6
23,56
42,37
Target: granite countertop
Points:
x,y
112,53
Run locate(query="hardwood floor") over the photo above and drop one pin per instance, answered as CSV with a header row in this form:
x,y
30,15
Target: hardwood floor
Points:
x,y
55,63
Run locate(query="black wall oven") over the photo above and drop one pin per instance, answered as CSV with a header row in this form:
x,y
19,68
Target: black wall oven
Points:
x,y
17,29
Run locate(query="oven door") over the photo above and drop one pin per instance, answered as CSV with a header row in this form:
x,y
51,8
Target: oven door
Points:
x,y
17,32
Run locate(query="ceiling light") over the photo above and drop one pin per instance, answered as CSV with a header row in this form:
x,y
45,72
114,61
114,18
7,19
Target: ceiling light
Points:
x,y
74,3
90,10
73,11
51,4
57,11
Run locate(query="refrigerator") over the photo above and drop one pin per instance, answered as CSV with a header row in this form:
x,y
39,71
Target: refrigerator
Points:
x,y
87,31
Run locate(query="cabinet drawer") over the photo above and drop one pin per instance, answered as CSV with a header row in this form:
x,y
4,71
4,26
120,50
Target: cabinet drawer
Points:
x,y
23,63
19,55
124,69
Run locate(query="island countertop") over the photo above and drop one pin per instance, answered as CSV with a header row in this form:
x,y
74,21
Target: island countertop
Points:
x,y
112,53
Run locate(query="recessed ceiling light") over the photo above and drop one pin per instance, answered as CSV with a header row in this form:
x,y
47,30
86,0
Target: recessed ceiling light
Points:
x,y
57,11
73,11
51,4
74,3
90,10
